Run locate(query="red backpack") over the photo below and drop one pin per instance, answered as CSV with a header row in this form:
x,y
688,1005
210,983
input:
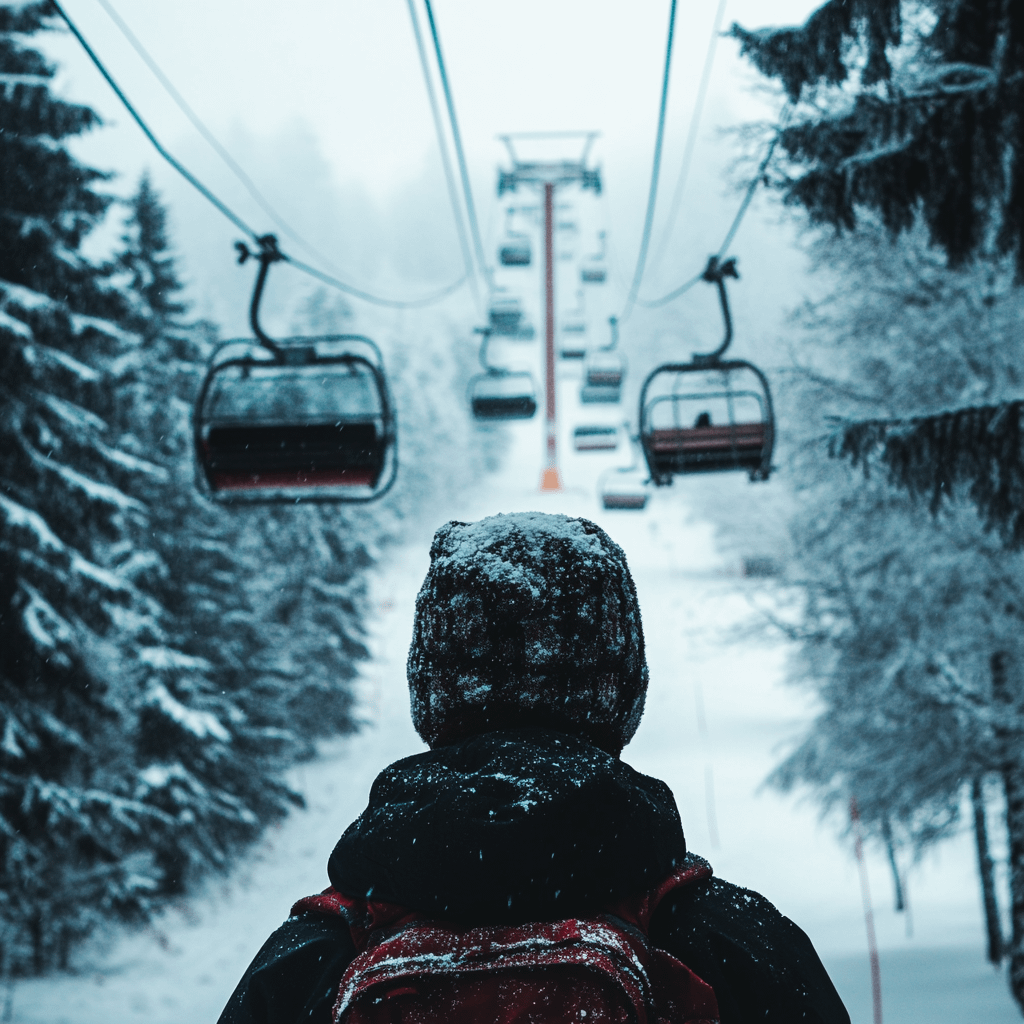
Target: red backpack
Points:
x,y
410,969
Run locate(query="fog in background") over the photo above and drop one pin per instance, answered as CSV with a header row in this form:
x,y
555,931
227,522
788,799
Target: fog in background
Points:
x,y
324,106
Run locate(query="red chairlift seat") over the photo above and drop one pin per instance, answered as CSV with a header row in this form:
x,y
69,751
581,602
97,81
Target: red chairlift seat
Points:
x,y
306,419
709,449
595,438
604,369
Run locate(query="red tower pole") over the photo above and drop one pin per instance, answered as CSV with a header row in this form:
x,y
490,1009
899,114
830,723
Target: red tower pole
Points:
x,y
550,481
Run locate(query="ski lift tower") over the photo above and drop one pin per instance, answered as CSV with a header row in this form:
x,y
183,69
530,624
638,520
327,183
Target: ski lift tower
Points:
x,y
547,175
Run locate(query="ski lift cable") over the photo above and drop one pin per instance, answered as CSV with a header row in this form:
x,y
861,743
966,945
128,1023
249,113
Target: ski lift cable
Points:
x,y
449,174
737,220
691,135
176,164
474,226
236,169
224,208
652,194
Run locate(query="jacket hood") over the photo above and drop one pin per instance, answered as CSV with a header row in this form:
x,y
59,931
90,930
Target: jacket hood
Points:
x,y
509,826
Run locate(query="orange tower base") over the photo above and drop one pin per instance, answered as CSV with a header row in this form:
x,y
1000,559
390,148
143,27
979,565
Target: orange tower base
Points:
x,y
551,480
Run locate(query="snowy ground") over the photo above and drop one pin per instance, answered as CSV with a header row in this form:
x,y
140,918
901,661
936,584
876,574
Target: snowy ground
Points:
x,y
717,713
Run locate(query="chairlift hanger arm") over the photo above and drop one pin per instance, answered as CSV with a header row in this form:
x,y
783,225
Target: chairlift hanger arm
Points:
x,y
484,344
715,273
613,323
268,253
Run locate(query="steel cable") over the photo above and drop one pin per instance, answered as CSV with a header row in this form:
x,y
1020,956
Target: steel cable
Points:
x,y
652,195
235,219
737,220
457,140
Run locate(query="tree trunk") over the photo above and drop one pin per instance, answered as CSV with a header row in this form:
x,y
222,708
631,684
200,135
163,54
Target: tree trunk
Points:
x,y
986,870
1012,771
897,881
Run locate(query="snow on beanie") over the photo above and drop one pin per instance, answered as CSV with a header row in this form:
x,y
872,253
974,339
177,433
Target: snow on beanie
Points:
x,y
527,619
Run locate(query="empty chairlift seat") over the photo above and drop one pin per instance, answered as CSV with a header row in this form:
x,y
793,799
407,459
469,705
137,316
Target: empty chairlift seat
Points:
x,y
623,490
595,438
574,341
314,425
503,395
515,251
505,318
602,378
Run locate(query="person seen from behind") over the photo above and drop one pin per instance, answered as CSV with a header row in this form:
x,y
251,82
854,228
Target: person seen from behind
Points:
x,y
518,870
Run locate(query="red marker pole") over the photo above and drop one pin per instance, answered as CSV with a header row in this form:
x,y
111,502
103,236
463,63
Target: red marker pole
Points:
x,y
869,915
550,481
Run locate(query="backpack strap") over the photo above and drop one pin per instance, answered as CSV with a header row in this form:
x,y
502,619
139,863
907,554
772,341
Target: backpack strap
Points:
x,y
360,914
638,910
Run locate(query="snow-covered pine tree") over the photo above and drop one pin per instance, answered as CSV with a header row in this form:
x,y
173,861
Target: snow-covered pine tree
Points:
x,y
903,611
908,109
70,821
257,653
912,111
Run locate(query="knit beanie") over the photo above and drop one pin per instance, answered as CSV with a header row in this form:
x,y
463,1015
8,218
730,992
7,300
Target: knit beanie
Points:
x,y
527,619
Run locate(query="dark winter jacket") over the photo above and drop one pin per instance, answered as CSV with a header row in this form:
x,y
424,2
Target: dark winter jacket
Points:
x,y
530,824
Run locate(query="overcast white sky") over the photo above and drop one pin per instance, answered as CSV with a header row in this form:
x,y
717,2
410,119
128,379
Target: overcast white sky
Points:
x,y
325,106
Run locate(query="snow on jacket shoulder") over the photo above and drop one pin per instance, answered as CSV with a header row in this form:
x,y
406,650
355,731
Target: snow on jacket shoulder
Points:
x,y
530,824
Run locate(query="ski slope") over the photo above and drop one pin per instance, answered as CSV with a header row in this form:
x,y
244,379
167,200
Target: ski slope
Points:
x,y
717,714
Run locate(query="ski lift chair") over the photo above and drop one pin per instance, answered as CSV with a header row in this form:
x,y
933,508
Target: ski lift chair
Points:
x,y
505,317
515,251
593,269
595,438
624,488
499,393
574,330
710,415
304,419
603,373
